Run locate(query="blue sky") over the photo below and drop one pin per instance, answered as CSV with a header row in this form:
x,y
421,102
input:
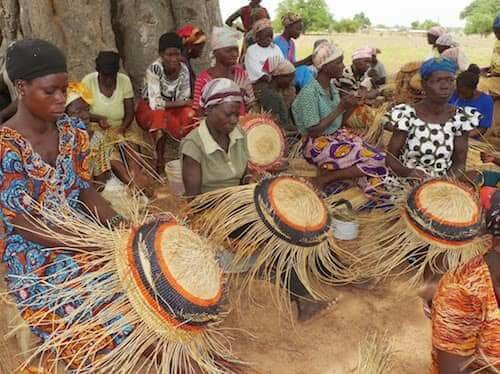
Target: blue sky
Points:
x,y
387,12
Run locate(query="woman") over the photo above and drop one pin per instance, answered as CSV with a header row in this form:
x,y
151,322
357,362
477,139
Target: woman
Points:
x,y
292,29
431,137
456,55
465,310
277,96
78,102
467,95
215,154
248,14
258,53
193,41
433,35
318,112
354,77
44,161
224,44
113,109
165,109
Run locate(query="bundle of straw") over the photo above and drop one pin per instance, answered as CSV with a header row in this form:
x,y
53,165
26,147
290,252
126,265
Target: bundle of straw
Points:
x,y
283,223
375,354
151,292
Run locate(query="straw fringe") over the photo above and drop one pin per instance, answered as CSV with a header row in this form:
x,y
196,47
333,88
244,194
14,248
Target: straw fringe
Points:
x,y
376,354
220,213
77,338
387,240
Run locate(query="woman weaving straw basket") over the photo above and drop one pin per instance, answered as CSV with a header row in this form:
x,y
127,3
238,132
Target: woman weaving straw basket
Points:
x,y
465,309
44,163
319,114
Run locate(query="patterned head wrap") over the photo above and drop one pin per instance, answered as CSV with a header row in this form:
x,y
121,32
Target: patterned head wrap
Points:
x,y
290,18
496,22
437,31
191,35
223,37
220,90
364,52
325,52
33,58
433,65
278,65
78,91
261,24
446,40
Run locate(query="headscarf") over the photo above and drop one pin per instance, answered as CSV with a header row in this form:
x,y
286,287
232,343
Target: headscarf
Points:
x,y
223,37
169,40
496,22
107,62
78,91
446,40
290,18
437,31
191,35
220,90
326,52
278,65
364,52
435,64
34,58
457,56
261,24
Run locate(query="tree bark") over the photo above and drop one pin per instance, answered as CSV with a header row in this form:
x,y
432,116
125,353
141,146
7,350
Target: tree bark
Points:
x,y
85,27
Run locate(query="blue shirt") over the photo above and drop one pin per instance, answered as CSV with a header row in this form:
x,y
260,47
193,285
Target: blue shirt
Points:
x,y
313,104
303,75
484,104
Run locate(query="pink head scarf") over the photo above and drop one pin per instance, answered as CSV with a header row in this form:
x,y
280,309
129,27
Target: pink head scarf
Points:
x,y
364,52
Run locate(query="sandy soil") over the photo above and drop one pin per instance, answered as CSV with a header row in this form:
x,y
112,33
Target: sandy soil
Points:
x,y
329,343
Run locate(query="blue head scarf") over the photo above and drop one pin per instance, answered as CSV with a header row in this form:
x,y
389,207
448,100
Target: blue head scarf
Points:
x,y
433,65
496,22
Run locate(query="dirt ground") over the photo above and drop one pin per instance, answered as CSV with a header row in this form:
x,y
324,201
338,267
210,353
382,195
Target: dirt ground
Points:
x,y
329,344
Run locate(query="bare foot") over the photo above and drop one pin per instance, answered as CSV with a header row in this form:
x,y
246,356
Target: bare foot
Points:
x,y
310,309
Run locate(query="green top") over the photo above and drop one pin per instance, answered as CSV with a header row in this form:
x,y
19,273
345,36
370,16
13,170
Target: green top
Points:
x,y
313,104
218,168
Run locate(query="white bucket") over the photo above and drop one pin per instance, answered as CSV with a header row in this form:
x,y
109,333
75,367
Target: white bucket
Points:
x,y
173,170
345,230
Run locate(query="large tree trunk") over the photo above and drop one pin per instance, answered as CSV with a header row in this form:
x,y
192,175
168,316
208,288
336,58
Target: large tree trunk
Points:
x,y
85,27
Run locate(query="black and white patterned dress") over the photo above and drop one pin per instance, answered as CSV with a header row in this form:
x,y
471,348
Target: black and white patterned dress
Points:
x,y
429,146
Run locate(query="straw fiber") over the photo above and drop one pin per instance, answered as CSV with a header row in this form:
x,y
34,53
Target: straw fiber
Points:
x,y
280,221
155,287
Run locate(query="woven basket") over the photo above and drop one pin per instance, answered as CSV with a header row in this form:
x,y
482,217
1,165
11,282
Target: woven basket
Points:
x,y
266,142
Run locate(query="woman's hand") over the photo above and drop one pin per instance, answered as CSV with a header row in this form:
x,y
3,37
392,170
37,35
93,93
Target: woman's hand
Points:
x,y
487,157
103,123
418,174
348,103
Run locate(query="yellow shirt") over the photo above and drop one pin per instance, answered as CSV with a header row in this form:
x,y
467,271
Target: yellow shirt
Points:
x,y
110,107
495,58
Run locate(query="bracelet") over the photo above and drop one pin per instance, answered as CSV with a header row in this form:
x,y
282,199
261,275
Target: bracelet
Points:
x,y
116,219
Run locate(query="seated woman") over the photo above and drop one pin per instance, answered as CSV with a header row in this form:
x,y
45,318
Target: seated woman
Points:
x,y
215,156
193,41
292,28
224,44
278,95
318,112
354,77
432,36
258,53
467,95
431,137
465,310
457,55
44,166
113,109
78,104
165,109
